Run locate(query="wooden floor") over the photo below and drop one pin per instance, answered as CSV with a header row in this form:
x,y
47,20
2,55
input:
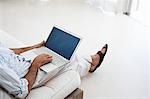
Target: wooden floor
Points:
x,y
77,94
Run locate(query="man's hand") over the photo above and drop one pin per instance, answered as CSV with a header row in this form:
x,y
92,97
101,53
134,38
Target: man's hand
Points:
x,y
42,59
36,64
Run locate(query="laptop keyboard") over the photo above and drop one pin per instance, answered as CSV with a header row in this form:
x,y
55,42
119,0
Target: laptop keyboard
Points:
x,y
57,60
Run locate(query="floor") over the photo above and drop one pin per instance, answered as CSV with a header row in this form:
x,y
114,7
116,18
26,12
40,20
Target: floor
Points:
x,y
125,71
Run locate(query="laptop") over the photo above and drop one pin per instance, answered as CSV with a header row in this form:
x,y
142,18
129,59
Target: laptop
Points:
x,y
61,44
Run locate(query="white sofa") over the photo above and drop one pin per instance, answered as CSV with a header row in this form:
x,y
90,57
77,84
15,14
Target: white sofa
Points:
x,y
57,88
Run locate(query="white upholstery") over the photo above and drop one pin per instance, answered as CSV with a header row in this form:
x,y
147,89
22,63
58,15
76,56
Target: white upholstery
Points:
x,y
4,95
57,88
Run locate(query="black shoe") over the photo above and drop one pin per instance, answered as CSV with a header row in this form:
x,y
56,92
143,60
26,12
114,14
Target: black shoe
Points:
x,y
101,58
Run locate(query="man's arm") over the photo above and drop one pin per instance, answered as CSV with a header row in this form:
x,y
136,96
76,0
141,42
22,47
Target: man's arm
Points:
x,y
36,64
24,49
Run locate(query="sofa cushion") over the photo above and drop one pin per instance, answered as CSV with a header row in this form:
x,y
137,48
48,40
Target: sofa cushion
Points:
x,y
57,88
5,95
41,93
64,84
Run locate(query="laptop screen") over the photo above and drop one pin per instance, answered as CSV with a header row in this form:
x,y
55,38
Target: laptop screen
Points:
x,y
62,42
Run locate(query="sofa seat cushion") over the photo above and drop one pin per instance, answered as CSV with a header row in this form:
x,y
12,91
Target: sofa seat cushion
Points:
x,y
41,93
64,84
57,88
5,95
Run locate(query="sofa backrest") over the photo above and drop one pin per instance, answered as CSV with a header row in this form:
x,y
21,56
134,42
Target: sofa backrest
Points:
x,y
9,40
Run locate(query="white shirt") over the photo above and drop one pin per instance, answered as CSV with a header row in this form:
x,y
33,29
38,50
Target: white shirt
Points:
x,y
12,70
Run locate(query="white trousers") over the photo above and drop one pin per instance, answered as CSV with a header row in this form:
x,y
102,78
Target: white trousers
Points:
x,y
80,64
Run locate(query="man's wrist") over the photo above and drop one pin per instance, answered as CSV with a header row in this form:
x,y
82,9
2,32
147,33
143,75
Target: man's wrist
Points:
x,y
35,66
32,47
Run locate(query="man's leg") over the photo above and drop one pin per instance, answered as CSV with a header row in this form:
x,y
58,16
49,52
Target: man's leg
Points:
x,y
88,63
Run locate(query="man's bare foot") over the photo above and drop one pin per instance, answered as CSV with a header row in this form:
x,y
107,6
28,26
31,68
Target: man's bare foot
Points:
x,y
98,58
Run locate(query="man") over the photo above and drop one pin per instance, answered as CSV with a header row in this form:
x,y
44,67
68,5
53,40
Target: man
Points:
x,y
17,75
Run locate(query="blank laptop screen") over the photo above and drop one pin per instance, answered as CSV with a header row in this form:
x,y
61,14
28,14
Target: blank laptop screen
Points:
x,y
62,42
